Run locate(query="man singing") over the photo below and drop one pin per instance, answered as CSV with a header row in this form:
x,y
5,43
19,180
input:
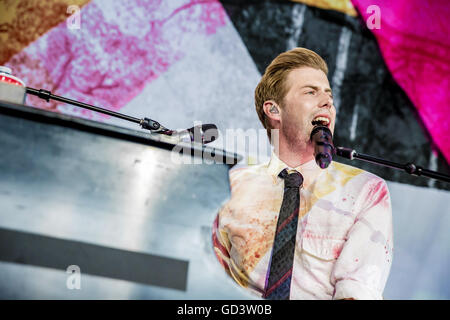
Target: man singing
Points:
x,y
292,230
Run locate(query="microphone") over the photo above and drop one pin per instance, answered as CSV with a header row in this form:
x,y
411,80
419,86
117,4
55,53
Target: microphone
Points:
x,y
203,134
324,149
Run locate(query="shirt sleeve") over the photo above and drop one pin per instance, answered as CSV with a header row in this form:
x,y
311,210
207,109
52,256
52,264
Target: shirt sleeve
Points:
x,y
222,248
220,239
362,269
221,244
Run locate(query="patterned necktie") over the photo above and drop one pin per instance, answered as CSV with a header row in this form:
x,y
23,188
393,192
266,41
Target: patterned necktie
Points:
x,y
278,284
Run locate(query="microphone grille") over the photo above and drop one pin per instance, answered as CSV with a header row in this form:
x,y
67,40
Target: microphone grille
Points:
x,y
210,132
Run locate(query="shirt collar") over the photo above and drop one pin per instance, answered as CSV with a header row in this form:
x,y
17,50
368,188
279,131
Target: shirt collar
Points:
x,y
309,170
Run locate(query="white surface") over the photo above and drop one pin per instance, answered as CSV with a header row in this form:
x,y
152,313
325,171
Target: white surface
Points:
x,y
421,263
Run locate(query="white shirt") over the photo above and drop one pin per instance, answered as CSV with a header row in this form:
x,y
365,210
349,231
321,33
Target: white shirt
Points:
x,y
344,239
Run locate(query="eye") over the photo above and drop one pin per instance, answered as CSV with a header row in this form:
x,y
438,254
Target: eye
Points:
x,y
310,92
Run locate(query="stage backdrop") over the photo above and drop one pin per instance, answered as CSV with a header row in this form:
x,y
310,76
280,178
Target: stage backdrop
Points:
x,y
185,61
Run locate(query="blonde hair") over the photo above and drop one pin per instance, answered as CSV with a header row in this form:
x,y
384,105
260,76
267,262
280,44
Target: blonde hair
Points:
x,y
273,82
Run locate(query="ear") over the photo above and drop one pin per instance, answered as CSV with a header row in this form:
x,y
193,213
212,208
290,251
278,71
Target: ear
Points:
x,y
272,110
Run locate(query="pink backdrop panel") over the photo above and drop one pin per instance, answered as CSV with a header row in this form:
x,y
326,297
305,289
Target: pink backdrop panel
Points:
x,y
414,38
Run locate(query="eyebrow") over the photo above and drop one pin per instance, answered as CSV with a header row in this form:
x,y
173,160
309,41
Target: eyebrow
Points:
x,y
316,88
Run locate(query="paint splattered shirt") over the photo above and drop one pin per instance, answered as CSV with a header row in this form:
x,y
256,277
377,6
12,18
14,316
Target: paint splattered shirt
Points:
x,y
344,239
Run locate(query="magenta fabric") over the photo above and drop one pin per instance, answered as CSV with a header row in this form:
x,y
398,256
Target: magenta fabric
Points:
x,y
414,38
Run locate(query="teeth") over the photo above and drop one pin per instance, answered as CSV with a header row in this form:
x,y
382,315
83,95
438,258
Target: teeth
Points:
x,y
321,120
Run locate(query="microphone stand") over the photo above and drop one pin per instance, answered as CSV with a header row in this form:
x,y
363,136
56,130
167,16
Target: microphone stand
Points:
x,y
145,123
410,168
324,151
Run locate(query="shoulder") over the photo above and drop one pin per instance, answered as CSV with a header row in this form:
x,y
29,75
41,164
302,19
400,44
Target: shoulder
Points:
x,y
239,172
344,172
369,188
244,175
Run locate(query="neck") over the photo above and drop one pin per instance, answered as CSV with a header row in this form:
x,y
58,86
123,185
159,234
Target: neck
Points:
x,y
294,156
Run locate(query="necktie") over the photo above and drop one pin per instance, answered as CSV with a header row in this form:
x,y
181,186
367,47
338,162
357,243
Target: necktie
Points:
x,y
278,283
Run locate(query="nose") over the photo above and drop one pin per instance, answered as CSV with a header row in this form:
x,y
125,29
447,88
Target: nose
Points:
x,y
326,101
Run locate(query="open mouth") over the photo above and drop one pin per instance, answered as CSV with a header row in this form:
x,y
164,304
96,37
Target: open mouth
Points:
x,y
320,121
